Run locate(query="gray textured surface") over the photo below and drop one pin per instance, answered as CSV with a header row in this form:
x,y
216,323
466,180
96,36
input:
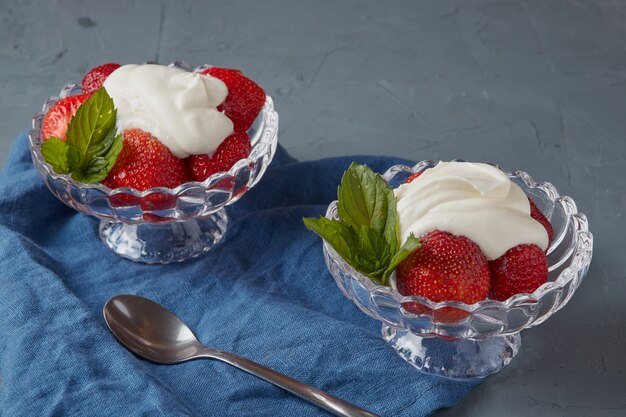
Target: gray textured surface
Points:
x,y
538,85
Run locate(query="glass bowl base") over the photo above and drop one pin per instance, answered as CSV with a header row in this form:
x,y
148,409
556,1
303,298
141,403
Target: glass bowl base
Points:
x,y
456,359
162,243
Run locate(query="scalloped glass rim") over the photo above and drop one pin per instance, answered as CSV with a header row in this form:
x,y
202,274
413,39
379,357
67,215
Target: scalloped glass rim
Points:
x,y
580,259
267,118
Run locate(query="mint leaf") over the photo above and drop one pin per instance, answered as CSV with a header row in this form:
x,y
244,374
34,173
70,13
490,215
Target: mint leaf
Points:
x,y
338,235
411,244
365,250
73,158
90,126
366,234
98,166
54,152
113,152
373,254
366,200
92,146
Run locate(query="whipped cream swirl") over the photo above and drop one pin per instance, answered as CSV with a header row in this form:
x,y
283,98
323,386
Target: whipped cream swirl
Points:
x,y
177,107
475,200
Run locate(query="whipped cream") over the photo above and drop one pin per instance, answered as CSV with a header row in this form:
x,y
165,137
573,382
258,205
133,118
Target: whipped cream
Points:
x,y
179,108
469,199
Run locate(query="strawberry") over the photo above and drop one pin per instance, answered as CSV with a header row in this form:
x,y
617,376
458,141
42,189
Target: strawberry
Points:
x,y
245,98
445,267
412,177
536,214
59,116
145,163
94,79
521,269
235,147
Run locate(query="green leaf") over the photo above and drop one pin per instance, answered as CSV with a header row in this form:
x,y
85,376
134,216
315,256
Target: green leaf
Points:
x,y
365,235
372,244
99,166
54,152
373,253
366,200
365,250
73,158
114,151
89,130
338,235
92,146
411,244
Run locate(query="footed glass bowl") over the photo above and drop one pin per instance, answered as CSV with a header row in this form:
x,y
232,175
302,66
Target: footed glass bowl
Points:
x,y
162,225
458,340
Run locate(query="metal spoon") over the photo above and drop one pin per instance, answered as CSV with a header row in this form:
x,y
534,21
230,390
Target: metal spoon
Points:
x,y
151,331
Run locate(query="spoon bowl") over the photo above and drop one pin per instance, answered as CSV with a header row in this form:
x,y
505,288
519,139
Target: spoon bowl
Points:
x,y
132,320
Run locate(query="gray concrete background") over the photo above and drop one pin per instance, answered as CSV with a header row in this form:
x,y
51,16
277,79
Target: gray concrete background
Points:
x,y
538,85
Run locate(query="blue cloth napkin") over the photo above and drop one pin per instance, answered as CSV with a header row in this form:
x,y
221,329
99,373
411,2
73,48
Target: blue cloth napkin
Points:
x,y
264,294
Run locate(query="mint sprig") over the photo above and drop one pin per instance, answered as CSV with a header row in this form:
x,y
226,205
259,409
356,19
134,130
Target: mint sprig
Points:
x,y
366,234
91,146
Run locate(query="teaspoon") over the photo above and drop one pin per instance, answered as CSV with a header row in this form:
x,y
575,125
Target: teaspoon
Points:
x,y
153,332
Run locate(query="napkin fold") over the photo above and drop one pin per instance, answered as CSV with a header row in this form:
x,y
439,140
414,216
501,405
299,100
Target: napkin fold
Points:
x,y
264,293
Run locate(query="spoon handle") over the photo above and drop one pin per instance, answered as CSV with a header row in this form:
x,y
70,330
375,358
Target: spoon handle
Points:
x,y
323,400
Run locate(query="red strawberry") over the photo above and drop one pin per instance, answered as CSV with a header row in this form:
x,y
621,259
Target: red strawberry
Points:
x,y
536,214
145,163
95,78
59,116
235,147
445,267
521,269
245,98
412,177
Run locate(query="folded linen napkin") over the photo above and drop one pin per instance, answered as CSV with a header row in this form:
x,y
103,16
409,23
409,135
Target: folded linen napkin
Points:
x,y
264,293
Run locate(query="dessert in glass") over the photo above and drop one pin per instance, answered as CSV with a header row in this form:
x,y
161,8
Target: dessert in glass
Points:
x,y
156,152
463,257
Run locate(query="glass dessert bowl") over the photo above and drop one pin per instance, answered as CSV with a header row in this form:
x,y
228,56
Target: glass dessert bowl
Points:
x,y
477,339
187,221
